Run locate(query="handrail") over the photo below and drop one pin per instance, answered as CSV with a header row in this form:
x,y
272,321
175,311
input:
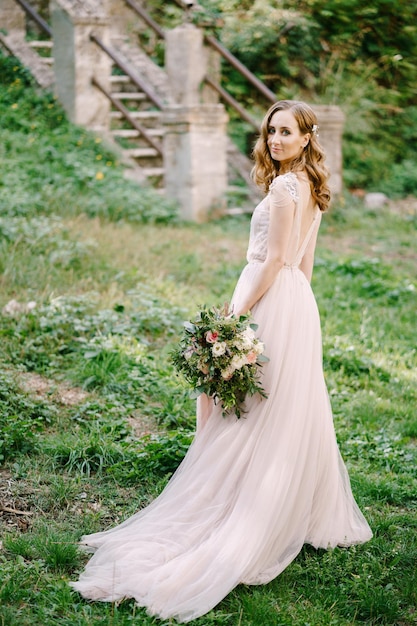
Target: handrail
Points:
x,y
146,18
35,16
233,103
134,77
226,54
230,58
125,112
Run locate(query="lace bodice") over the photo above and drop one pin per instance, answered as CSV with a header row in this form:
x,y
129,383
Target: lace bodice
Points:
x,y
285,188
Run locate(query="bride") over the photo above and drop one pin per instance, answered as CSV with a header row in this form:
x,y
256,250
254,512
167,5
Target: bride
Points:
x,y
250,492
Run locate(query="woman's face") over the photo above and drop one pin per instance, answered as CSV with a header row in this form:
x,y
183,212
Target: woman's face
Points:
x,y
285,141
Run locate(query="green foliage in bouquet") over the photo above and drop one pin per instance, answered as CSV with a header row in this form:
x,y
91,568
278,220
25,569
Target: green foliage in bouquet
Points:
x,y
220,355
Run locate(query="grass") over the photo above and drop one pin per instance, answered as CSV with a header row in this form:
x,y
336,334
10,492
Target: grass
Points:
x,y
111,288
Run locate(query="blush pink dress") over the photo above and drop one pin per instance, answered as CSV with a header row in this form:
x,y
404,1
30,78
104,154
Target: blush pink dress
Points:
x,y
250,492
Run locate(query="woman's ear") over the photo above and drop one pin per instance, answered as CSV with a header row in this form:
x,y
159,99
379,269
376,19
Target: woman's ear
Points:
x,y
306,140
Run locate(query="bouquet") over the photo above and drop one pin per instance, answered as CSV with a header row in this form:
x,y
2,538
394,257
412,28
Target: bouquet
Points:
x,y
220,355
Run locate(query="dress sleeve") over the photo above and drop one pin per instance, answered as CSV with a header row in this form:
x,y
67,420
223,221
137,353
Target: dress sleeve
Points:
x,y
284,191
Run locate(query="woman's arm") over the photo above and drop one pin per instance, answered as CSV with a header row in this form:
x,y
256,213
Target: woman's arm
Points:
x,y
280,224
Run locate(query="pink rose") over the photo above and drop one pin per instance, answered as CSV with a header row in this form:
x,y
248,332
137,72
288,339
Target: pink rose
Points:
x,y
251,358
227,374
188,353
212,336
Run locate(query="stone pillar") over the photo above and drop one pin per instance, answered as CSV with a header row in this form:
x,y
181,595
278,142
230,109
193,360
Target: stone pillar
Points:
x,y
331,120
185,63
123,21
195,140
12,18
195,145
77,60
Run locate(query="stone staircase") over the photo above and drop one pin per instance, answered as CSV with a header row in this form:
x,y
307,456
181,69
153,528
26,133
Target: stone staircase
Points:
x,y
141,109
131,134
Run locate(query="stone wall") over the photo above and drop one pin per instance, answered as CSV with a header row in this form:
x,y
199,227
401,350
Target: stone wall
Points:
x,y
195,141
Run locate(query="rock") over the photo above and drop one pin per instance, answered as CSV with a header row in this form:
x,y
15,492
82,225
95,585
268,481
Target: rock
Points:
x,y
375,200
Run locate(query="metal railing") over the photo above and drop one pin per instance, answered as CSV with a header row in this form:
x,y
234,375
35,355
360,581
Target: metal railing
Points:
x,y
137,8
242,69
225,95
134,76
136,80
126,114
232,60
31,12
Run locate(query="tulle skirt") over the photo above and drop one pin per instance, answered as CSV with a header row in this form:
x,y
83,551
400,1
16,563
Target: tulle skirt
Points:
x,y
250,492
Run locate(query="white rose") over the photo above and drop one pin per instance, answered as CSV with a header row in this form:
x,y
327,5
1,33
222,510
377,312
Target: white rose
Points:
x,y
228,373
239,344
219,348
249,332
245,343
238,361
259,347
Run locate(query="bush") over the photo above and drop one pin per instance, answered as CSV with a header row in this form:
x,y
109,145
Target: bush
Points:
x,y
402,180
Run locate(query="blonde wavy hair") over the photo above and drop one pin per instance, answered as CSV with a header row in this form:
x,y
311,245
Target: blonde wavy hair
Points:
x,y
311,160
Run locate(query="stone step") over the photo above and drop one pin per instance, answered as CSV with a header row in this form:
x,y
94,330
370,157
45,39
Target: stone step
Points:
x,y
140,153
128,133
119,78
153,172
129,95
41,44
137,59
142,115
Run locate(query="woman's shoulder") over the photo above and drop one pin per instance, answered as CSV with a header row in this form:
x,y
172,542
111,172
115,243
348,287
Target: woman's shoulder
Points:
x,y
287,183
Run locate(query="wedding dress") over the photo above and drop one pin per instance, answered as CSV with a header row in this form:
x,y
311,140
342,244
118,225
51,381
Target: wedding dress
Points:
x,y
250,492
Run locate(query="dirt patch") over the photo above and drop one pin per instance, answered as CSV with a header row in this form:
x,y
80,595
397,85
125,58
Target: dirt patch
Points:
x,y
64,394
41,387
142,425
406,206
14,510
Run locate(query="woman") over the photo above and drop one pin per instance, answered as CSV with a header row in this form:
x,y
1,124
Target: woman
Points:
x,y
250,492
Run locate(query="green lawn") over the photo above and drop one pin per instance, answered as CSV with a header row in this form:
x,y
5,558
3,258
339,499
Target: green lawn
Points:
x,y
92,418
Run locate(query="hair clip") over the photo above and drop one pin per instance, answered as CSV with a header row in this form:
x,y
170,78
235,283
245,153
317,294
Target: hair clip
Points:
x,y
315,129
